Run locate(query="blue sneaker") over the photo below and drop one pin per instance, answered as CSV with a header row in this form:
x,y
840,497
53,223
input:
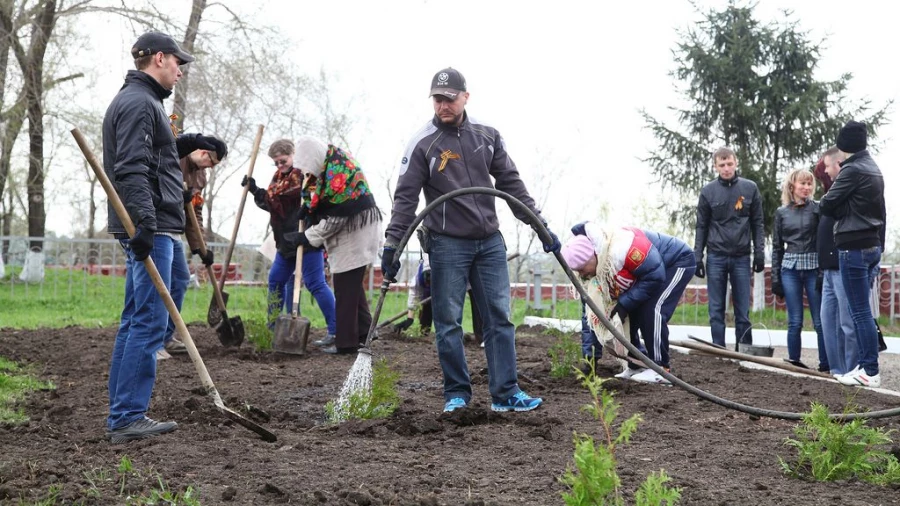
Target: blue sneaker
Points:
x,y
519,402
454,404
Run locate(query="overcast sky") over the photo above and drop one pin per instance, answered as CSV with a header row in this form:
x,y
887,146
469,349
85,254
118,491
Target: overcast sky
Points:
x,y
563,81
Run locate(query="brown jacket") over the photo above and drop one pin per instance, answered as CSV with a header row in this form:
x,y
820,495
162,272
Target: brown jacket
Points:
x,y
195,181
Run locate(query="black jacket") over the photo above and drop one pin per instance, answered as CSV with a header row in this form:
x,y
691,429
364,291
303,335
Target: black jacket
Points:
x,y
729,215
828,257
856,201
795,231
442,158
140,157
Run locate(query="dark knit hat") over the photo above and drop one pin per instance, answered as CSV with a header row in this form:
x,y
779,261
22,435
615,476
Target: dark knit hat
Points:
x,y
852,137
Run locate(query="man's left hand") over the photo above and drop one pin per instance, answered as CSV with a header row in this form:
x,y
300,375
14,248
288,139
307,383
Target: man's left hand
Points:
x,y
554,245
759,263
208,259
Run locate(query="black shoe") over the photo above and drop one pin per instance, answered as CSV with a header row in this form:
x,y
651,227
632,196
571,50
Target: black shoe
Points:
x,y
328,340
334,350
140,429
824,368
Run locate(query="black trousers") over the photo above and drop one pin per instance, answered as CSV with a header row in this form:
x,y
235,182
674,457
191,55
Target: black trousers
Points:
x,y
352,314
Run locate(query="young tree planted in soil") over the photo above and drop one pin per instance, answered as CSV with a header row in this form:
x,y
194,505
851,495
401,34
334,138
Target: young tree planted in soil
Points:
x,y
829,450
594,480
751,86
364,404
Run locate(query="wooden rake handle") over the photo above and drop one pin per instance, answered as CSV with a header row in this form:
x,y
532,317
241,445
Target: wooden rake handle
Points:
x,y
192,222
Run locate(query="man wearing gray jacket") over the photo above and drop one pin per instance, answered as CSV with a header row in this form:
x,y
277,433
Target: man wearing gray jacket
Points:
x,y
451,152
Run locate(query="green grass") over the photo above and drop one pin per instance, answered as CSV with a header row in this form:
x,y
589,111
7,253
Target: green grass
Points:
x,y
74,298
15,384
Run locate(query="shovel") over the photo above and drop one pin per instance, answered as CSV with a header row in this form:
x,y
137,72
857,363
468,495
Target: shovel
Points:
x,y
292,331
229,330
167,298
213,316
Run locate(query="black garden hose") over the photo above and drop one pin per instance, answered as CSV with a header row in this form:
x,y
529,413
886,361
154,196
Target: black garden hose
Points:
x,y
544,235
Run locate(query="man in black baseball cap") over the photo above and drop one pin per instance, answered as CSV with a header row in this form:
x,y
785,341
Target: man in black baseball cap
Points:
x,y
151,43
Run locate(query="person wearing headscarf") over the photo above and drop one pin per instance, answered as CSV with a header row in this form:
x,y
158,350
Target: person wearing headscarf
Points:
x,y
348,224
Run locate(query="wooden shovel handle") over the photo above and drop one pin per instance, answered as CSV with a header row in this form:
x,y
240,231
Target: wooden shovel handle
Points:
x,y
122,213
298,269
240,212
192,222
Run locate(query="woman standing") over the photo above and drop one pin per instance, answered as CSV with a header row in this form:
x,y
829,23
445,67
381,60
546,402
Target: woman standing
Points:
x,y
348,224
283,199
795,261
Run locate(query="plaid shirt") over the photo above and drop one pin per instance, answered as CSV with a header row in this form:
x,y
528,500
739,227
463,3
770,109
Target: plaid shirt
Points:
x,y
801,261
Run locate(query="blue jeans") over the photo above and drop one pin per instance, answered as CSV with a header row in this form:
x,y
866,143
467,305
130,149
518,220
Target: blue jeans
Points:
x,y
590,345
795,282
482,262
181,277
858,269
720,270
281,285
132,371
837,325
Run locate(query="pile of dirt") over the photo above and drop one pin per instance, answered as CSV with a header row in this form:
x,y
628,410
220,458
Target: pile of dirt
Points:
x,y
418,456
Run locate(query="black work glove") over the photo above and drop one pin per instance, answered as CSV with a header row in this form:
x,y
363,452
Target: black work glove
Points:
x,y
207,260
296,239
701,271
304,212
250,183
389,269
188,143
578,228
554,245
141,243
620,311
820,281
777,288
188,196
405,324
759,263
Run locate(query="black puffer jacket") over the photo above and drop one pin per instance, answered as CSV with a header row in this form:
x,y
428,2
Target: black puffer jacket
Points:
x,y
141,159
729,216
856,201
795,231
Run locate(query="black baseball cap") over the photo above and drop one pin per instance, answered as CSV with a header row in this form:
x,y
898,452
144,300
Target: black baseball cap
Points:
x,y
155,42
448,82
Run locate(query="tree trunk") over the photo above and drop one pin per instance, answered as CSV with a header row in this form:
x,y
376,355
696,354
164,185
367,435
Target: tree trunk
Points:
x,y
190,37
33,70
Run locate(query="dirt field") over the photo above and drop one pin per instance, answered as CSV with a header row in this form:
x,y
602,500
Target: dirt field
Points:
x,y
419,456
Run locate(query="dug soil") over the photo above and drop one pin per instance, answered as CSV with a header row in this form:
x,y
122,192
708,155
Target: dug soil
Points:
x,y
417,456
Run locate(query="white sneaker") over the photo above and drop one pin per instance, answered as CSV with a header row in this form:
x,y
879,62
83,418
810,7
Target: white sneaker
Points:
x,y
162,354
650,376
858,377
629,372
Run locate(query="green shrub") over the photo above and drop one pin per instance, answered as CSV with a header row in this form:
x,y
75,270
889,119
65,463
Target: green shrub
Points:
x,y
257,332
829,450
593,480
565,353
379,402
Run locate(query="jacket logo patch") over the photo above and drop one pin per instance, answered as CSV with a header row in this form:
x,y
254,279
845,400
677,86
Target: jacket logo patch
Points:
x,y
636,256
445,156
739,204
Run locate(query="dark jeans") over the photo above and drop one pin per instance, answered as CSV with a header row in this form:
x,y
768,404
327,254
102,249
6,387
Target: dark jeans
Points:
x,y
132,371
454,262
181,277
720,270
795,282
858,269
